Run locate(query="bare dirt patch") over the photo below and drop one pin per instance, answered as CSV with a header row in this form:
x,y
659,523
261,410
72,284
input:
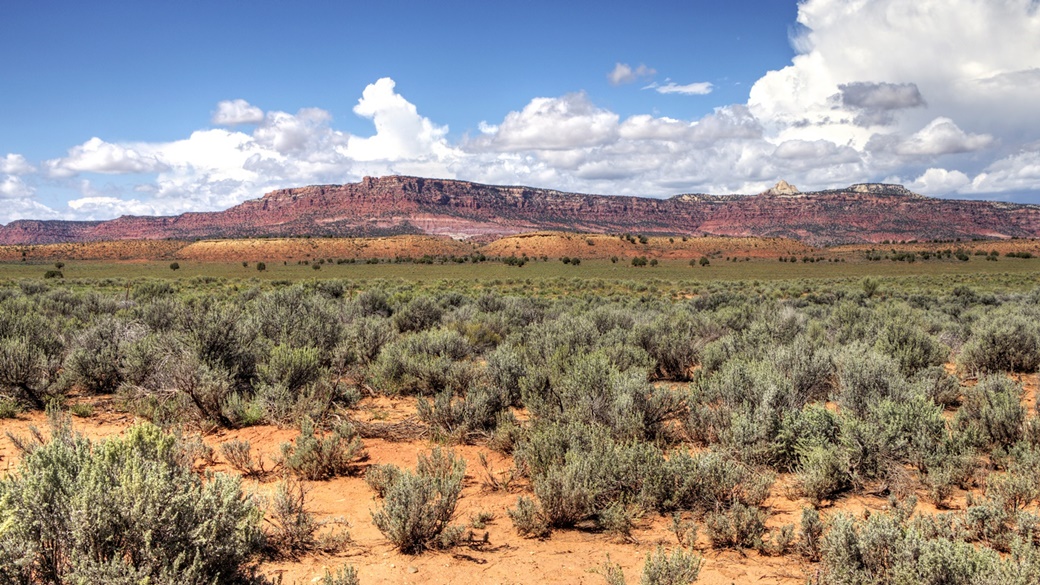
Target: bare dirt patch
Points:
x,y
116,250
557,245
568,556
326,248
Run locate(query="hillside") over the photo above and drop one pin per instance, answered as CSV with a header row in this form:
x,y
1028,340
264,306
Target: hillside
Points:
x,y
410,205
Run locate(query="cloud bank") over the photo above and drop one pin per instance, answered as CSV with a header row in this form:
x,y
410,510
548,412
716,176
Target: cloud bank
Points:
x,y
896,90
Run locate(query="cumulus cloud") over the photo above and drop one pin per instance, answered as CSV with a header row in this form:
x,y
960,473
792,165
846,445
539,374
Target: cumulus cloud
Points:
x,y
563,123
100,207
13,187
1018,172
940,182
401,133
234,112
98,156
971,79
699,88
15,164
941,136
623,73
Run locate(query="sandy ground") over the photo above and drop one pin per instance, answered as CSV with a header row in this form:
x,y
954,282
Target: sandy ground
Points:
x,y
535,244
556,245
551,244
568,556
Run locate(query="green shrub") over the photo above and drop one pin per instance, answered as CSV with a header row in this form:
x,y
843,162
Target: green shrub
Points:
x,y
822,473
362,341
909,345
292,367
427,362
420,314
865,377
418,507
292,528
96,361
810,533
475,415
992,411
1005,343
345,575
380,477
738,526
316,458
943,389
678,568
529,519
124,510
710,481
239,455
25,371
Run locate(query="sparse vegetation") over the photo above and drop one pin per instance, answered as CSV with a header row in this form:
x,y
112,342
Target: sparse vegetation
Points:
x,y
609,404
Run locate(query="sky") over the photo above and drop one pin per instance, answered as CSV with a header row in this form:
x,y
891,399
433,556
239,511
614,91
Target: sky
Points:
x,y
158,108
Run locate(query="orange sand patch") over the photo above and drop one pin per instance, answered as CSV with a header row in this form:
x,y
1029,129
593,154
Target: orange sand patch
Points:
x,y
118,250
556,245
328,248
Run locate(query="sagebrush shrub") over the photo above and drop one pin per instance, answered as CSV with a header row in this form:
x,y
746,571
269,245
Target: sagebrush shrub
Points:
x,y
993,411
678,568
579,471
316,457
96,361
710,481
912,348
529,519
1005,343
123,510
822,473
418,507
737,526
418,315
292,528
345,575
865,377
292,367
474,415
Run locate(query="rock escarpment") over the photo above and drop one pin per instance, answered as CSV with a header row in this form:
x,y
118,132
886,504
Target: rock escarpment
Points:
x,y
414,205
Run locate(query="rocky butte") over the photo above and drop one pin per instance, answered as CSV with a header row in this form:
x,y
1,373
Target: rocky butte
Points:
x,y
413,205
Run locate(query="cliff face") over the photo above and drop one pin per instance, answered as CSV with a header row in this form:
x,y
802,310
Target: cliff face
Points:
x,y
400,205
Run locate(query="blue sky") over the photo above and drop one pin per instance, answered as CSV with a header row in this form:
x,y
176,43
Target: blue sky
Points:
x,y
108,108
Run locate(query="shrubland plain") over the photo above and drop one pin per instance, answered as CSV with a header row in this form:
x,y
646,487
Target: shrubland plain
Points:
x,y
547,408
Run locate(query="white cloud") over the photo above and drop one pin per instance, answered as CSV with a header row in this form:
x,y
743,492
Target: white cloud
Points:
x,y
563,123
623,73
941,136
700,88
1018,172
234,112
15,164
13,187
401,133
939,182
25,208
107,207
944,48
292,133
98,156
